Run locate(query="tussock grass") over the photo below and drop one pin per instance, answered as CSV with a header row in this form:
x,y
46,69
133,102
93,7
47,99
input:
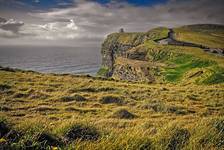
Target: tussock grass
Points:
x,y
123,114
110,99
81,132
169,115
75,97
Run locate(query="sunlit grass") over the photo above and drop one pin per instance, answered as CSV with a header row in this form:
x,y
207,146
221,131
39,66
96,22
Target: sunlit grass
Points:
x,y
153,109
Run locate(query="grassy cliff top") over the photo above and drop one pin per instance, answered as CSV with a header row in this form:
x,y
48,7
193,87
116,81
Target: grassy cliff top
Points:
x,y
207,35
135,38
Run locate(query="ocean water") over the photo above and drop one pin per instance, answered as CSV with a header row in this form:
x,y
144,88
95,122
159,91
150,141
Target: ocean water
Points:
x,y
46,59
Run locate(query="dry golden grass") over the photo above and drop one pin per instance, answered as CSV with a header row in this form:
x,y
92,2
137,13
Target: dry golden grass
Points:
x,y
165,114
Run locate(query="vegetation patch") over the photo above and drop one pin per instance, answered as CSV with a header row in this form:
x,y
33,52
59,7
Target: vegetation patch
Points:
x,y
75,97
82,132
216,77
123,114
4,87
179,139
47,139
219,125
104,72
111,99
5,108
38,95
12,136
45,108
71,109
182,64
159,106
92,89
20,95
4,128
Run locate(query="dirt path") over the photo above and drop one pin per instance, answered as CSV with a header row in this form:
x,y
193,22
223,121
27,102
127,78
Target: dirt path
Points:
x,y
170,40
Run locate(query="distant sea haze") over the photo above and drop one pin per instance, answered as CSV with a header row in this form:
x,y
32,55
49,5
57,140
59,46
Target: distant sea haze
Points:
x,y
48,59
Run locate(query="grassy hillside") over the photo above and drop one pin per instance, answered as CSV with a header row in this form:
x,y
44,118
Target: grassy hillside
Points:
x,y
80,112
207,35
181,63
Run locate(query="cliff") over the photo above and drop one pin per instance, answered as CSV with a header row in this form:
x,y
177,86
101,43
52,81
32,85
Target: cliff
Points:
x,y
145,57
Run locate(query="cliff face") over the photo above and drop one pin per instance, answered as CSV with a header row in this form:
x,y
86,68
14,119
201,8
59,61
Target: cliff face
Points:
x,y
124,55
141,57
117,45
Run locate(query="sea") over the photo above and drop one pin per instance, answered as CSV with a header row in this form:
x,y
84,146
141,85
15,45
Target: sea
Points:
x,y
52,59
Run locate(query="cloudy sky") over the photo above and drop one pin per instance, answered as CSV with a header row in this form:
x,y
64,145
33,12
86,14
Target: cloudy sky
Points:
x,y
87,22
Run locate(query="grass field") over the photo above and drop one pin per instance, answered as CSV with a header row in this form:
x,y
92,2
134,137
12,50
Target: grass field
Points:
x,y
207,35
80,112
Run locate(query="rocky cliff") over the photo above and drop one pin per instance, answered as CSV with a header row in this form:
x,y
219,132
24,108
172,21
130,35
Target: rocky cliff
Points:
x,y
124,55
140,57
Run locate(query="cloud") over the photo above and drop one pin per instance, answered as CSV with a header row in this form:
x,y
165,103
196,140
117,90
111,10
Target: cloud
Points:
x,y
52,30
95,16
89,21
7,34
11,25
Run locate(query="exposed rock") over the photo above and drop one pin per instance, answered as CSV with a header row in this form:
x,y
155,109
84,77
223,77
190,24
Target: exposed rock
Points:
x,y
134,70
116,45
137,53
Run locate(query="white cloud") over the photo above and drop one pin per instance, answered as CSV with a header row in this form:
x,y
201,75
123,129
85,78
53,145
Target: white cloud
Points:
x,y
52,31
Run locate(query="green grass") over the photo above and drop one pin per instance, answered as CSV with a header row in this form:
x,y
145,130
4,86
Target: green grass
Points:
x,y
183,64
176,63
157,33
103,71
216,77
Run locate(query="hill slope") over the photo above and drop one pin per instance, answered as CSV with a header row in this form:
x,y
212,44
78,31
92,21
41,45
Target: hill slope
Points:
x,y
79,112
140,57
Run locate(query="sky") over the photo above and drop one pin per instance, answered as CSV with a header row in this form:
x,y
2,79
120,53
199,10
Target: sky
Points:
x,y
81,23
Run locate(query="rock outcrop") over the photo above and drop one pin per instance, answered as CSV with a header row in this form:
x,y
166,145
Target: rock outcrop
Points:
x,y
117,45
129,47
